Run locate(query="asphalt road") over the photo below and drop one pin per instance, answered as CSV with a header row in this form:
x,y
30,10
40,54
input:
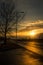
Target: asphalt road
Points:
x,y
20,56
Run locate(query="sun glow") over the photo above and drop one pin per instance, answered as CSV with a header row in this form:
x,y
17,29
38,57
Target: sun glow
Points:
x,y
32,33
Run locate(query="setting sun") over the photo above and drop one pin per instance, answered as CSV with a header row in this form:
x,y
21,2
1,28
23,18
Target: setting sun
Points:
x,y
32,33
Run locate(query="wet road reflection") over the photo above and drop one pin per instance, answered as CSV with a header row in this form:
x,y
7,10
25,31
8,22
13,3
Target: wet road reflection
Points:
x,y
33,55
35,47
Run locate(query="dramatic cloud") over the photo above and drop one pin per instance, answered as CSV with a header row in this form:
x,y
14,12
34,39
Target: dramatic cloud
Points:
x,y
33,25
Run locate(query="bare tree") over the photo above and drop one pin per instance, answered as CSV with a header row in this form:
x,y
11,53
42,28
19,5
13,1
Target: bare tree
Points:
x,y
7,18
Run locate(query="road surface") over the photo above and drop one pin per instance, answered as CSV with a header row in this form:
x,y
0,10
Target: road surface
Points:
x,y
22,56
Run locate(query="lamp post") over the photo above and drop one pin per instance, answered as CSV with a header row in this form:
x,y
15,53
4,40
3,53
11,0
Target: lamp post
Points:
x,y
17,18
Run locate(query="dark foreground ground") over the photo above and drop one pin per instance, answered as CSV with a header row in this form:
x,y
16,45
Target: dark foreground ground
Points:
x,y
25,53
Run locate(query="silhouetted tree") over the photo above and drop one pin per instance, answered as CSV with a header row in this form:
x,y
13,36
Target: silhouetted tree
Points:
x,y
7,17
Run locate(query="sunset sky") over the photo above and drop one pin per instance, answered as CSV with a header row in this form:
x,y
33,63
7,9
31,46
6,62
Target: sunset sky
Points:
x,y
33,19
32,23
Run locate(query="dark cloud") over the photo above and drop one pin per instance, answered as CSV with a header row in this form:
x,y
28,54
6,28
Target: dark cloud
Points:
x,y
33,7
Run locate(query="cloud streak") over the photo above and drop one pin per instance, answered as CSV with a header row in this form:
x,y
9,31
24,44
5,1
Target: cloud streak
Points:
x,y
33,25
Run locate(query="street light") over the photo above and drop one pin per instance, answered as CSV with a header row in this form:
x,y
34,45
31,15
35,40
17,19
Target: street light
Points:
x,y
17,18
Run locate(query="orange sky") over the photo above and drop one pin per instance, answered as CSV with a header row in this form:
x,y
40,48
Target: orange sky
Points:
x,y
25,29
36,26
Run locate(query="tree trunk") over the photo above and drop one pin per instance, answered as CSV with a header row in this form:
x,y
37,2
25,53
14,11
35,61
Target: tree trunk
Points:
x,y
5,38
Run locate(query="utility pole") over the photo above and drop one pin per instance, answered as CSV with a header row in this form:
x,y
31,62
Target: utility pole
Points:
x,y
17,19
